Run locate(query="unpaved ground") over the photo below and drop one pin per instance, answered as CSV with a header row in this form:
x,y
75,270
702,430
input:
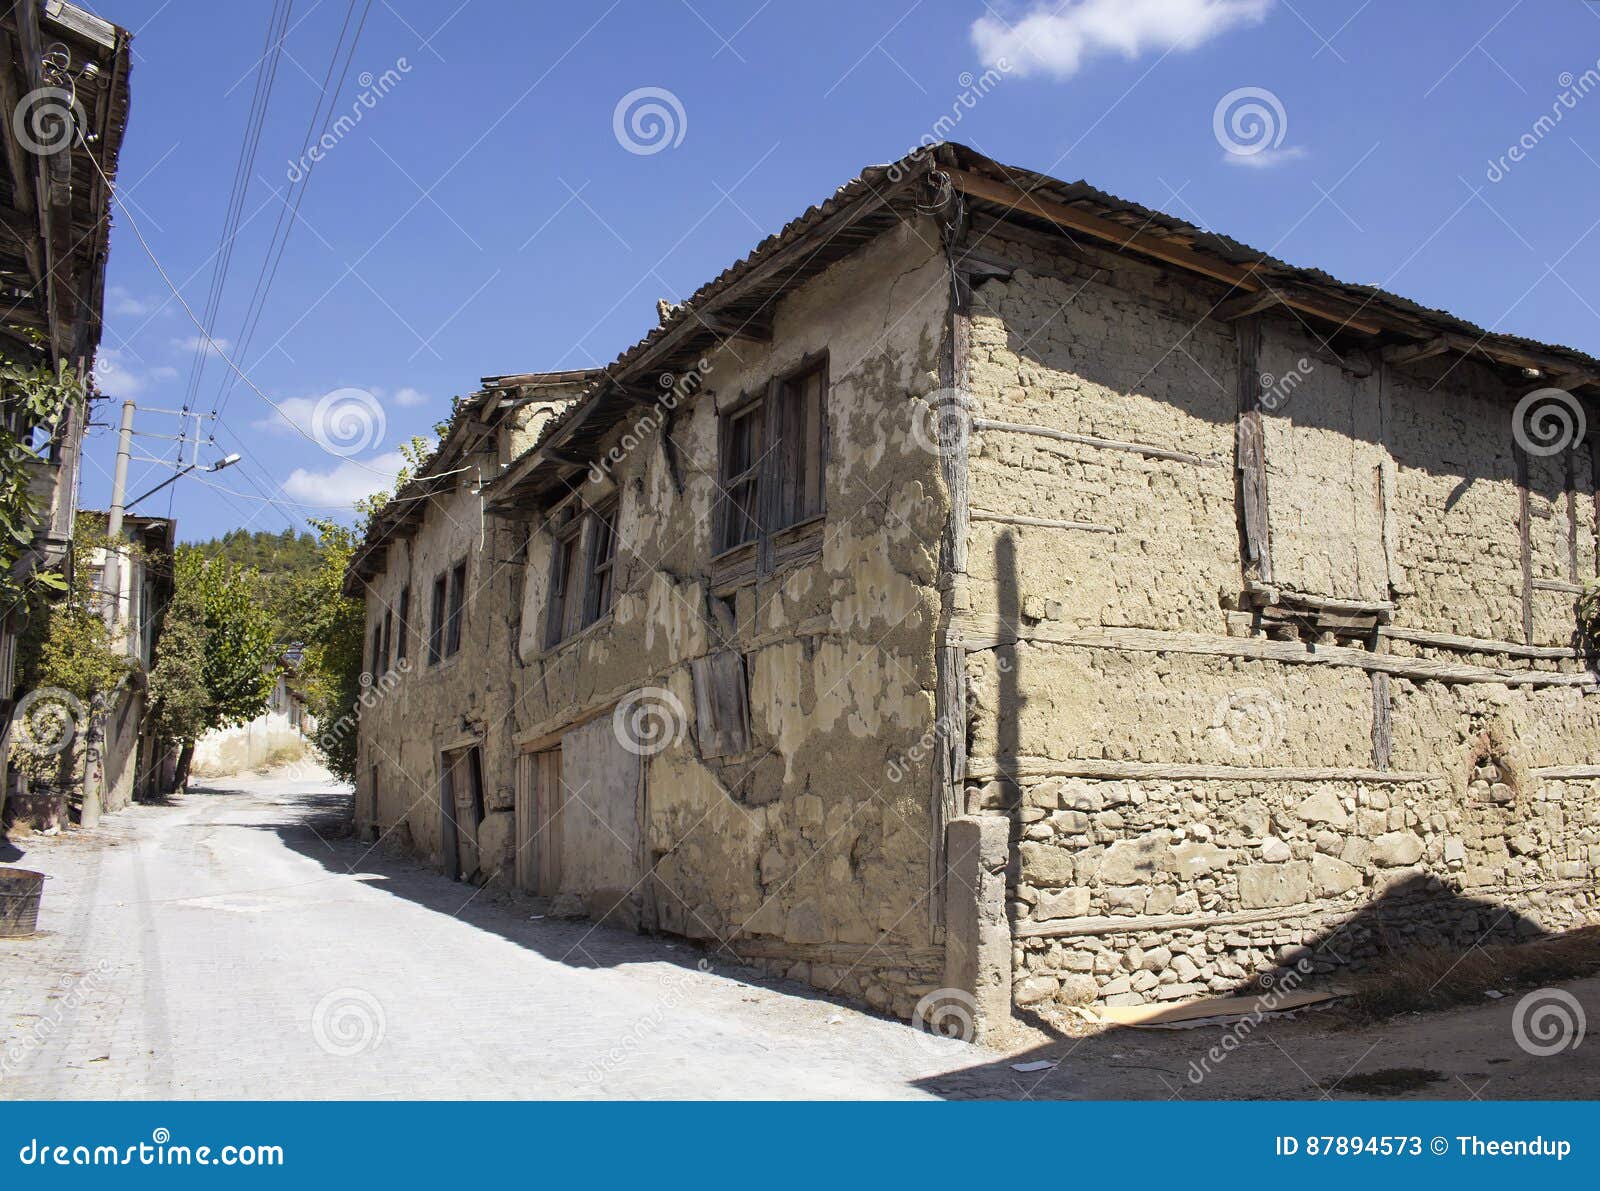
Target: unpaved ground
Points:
x,y
224,947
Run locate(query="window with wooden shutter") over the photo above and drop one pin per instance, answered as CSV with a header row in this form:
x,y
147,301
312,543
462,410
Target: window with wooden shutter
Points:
x,y
436,621
602,563
565,575
458,607
722,704
740,465
800,455
402,646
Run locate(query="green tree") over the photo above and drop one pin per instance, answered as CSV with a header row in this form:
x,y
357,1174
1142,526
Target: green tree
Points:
x,y
71,649
215,606
335,625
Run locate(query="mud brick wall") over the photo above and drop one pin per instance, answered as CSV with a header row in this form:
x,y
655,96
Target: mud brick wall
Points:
x,y
1194,799
800,854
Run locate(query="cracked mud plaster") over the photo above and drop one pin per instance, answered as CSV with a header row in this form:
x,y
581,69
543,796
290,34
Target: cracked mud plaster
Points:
x,y
1136,890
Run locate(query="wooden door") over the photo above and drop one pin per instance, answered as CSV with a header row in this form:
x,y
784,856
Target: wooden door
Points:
x,y
526,809
449,848
550,799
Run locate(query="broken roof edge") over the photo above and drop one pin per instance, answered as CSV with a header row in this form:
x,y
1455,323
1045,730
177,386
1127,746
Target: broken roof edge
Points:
x,y
868,192
1380,318
464,431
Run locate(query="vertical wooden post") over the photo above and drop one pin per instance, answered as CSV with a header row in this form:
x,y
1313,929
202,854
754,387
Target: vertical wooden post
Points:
x,y
1250,454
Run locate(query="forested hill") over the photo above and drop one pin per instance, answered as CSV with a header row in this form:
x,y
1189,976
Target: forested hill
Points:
x,y
268,552
284,560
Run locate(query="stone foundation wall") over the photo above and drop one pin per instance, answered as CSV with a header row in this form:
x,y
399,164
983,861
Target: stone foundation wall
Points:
x,y
1195,797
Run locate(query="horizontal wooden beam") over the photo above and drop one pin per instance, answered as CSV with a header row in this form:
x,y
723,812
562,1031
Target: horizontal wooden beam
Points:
x,y
1242,276
985,769
1401,354
1247,304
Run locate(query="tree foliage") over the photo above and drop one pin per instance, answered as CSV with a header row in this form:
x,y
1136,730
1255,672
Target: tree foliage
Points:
x,y
32,398
335,624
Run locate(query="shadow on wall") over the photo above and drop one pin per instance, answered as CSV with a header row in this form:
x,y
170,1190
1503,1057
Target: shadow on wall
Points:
x,y
1424,945
1420,913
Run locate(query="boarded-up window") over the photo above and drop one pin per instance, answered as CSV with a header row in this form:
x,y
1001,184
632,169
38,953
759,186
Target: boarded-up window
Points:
x,y
458,604
722,704
436,621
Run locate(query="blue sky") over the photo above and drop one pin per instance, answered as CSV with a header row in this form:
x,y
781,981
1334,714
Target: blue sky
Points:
x,y
485,215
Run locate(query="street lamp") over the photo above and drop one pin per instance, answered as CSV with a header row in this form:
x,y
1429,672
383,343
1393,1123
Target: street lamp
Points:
x,y
225,461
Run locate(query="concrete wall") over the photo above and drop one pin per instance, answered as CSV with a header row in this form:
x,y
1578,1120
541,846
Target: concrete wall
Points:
x,y
1192,799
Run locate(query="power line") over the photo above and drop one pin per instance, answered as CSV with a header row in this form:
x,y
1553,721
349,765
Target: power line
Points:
x,y
166,278
288,215
243,170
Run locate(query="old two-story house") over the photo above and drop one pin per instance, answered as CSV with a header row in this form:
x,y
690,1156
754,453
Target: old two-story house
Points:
x,y
55,226
990,594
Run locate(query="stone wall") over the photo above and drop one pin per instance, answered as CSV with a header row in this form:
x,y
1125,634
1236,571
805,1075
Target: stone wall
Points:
x,y
1194,797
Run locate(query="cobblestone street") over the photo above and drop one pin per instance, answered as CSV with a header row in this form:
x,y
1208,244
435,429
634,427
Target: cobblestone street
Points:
x,y
220,947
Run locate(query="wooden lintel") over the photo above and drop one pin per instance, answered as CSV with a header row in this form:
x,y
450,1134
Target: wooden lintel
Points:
x,y
1246,277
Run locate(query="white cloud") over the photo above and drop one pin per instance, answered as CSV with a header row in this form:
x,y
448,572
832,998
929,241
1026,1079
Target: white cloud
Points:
x,y
1058,39
114,374
194,343
1265,159
120,300
292,413
409,398
346,482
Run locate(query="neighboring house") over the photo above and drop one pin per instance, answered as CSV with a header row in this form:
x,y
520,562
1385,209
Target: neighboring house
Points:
x,y
135,765
54,232
281,732
993,590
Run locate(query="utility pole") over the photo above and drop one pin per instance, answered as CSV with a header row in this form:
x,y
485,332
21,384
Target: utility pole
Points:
x,y
112,584
111,588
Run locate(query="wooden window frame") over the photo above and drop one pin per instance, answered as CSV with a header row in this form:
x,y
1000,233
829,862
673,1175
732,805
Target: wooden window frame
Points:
x,y
388,639
456,613
403,623
562,603
788,439
752,410
441,583
600,573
